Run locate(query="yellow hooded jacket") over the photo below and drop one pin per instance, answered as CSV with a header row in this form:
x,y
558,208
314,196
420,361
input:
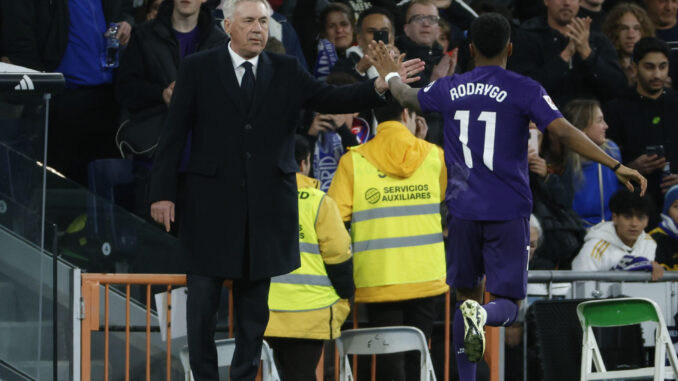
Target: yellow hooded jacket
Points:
x,y
396,152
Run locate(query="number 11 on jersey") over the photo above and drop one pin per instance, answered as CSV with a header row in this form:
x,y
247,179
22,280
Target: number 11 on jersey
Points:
x,y
490,119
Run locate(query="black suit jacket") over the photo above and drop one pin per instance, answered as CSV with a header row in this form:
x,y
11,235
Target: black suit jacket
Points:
x,y
242,168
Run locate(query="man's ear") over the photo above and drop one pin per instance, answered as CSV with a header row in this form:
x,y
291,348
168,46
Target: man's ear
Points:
x,y
509,49
472,50
227,26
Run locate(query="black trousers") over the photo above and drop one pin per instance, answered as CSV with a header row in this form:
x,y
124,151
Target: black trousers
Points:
x,y
250,307
418,313
297,359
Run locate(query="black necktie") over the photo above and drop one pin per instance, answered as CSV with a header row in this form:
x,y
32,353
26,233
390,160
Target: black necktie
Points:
x,y
247,83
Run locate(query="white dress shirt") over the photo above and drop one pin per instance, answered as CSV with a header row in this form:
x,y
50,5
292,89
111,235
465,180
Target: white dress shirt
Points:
x,y
237,64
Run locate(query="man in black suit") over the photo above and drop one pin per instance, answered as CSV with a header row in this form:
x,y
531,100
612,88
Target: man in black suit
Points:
x,y
240,213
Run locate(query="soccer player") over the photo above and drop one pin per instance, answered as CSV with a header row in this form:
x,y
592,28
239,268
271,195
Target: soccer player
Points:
x,y
486,113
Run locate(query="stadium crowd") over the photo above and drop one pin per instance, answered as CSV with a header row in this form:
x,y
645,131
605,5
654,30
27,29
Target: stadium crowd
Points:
x,y
610,66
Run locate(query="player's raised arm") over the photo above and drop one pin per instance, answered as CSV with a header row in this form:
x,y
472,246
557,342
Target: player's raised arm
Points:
x,y
381,58
581,144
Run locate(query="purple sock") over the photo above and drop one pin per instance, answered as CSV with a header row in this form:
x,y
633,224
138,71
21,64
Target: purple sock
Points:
x,y
465,368
501,312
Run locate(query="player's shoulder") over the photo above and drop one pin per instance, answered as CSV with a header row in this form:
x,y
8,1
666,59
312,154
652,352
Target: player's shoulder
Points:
x,y
520,79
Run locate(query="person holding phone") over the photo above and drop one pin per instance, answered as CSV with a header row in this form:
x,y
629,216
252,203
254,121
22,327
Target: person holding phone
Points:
x,y
374,24
643,120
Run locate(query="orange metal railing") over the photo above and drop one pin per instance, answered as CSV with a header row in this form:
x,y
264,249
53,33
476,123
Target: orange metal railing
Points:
x,y
91,284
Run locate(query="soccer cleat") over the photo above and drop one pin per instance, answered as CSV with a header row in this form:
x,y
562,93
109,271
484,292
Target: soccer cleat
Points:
x,y
475,317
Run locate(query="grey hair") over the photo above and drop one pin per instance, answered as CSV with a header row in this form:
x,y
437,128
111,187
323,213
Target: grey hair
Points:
x,y
534,222
228,7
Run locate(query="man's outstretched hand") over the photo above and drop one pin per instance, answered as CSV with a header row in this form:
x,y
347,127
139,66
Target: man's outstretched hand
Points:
x,y
626,175
383,60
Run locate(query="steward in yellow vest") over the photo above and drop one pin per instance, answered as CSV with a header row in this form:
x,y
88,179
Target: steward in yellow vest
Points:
x,y
310,304
390,190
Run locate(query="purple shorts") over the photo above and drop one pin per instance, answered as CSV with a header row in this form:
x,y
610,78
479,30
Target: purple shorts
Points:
x,y
497,249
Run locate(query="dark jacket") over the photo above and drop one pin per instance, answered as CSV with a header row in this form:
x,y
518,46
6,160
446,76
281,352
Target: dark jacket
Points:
x,y
562,230
430,56
536,53
37,31
667,249
240,211
152,59
636,122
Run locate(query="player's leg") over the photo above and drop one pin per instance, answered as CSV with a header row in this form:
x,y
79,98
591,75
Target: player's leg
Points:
x,y
505,246
464,274
506,253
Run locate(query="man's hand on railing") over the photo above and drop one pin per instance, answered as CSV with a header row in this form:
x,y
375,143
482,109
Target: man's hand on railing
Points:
x,y
163,213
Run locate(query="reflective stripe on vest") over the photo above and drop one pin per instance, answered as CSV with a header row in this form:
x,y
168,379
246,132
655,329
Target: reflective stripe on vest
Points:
x,y
308,287
314,280
395,225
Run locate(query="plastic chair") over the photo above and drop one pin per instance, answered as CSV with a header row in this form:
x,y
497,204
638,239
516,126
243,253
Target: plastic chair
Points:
x,y
225,350
383,340
620,312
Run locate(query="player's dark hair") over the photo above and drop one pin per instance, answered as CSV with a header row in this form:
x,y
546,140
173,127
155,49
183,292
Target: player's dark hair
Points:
x,y
374,11
490,33
301,149
625,202
391,111
649,45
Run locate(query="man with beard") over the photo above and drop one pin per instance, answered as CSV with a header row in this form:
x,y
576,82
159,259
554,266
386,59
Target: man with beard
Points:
x,y
643,119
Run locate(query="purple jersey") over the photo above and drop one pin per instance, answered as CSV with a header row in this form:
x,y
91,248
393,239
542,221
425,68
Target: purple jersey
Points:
x,y
487,113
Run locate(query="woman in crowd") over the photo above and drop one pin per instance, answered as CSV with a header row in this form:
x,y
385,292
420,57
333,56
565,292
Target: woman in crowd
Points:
x,y
337,33
592,183
624,26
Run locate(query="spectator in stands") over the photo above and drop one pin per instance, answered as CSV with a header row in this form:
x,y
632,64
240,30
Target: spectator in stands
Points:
x,y
625,25
330,135
664,16
444,33
374,20
148,10
593,9
337,25
421,31
337,34
591,183
68,37
561,52
666,234
360,6
644,118
563,234
303,315
390,189
150,65
420,41
621,244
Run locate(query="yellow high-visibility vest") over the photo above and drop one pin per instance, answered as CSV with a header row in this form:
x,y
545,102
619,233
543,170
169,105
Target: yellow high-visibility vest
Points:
x,y
308,287
395,225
